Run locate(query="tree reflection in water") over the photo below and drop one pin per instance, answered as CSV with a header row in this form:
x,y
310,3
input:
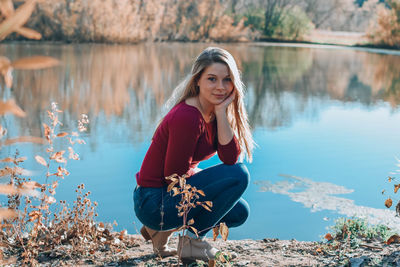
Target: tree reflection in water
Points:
x,y
131,83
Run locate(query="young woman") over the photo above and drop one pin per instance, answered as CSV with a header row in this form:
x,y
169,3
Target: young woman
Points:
x,y
207,116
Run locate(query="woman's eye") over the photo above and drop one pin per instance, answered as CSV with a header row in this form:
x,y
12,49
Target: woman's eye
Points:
x,y
211,79
228,79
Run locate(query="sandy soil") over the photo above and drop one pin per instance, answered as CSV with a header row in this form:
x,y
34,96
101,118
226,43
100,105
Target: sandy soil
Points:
x,y
266,252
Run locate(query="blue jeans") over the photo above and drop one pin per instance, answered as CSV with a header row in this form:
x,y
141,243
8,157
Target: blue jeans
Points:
x,y
222,184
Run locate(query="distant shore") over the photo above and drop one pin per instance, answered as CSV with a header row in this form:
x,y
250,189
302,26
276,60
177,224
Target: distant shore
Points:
x,y
315,38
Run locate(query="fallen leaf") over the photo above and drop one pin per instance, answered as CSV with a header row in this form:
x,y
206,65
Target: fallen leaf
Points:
x,y
388,203
328,236
393,239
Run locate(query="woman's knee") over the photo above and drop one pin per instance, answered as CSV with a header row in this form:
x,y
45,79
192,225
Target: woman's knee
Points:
x,y
241,174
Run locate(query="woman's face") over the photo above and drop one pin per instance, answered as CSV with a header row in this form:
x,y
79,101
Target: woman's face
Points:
x,y
215,84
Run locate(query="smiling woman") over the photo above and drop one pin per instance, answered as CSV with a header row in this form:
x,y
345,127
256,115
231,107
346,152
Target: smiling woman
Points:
x,y
207,116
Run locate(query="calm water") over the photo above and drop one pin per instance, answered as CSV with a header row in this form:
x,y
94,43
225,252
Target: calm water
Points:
x,y
326,121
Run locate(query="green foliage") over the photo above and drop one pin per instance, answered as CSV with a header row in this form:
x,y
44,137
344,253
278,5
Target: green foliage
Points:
x,y
355,230
293,23
255,19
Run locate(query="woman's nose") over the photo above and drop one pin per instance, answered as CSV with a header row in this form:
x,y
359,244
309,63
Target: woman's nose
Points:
x,y
220,85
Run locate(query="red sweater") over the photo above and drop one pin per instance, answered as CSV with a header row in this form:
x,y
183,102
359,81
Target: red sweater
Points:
x,y
181,141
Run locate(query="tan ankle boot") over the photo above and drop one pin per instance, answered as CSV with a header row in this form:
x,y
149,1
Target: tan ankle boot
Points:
x,y
192,249
160,241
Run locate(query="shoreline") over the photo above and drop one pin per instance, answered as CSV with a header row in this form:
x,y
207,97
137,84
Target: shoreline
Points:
x,y
265,252
368,47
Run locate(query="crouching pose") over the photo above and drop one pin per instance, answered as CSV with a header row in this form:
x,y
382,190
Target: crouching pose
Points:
x,y
207,117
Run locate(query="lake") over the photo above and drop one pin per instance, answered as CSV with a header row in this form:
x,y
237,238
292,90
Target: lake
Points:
x,y
326,120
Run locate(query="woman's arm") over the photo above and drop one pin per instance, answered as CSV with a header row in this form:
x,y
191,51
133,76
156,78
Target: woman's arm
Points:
x,y
225,132
228,146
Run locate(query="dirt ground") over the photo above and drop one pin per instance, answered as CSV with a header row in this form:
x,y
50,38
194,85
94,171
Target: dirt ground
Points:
x,y
266,252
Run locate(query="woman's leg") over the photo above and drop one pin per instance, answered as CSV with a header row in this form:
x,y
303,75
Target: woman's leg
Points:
x,y
237,215
223,185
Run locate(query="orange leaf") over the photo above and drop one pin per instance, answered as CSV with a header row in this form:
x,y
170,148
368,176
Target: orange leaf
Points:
x,y
31,185
201,192
191,221
11,107
41,160
209,203
388,203
58,157
9,159
194,230
396,187
171,185
224,231
16,20
393,239
35,62
6,7
215,232
328,236
206,207
29,33
62,134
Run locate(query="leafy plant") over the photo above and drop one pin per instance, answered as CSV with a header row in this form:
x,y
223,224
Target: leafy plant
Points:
x,y
356,230
190,196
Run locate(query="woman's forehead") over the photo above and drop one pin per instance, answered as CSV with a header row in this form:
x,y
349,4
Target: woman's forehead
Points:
x,y
218,69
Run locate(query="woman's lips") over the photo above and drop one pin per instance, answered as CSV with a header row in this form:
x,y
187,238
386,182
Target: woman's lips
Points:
x,y
219,96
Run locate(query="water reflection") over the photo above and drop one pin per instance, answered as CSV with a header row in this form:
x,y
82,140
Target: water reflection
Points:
x,y
318,196
133,82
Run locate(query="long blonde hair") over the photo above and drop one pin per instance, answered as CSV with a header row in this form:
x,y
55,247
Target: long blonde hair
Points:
x,y
236,112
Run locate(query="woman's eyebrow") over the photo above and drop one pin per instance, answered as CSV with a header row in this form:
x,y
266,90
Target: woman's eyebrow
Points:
x,y
211,74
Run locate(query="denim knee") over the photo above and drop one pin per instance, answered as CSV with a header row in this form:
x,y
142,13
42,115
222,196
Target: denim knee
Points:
x,y
241,174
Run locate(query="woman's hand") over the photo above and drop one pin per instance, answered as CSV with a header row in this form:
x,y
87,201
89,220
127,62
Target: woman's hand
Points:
x,y
221,107
225,133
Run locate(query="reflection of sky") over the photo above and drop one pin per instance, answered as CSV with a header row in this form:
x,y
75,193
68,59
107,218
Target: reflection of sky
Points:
x,y
299,131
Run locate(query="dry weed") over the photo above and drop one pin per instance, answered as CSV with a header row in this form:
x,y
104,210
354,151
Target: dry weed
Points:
x,y
190,196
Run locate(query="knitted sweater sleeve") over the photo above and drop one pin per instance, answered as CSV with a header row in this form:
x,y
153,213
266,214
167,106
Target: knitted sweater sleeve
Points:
x,y
230,152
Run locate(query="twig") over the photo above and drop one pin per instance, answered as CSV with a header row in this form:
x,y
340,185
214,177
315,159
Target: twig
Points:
x,y
371,247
